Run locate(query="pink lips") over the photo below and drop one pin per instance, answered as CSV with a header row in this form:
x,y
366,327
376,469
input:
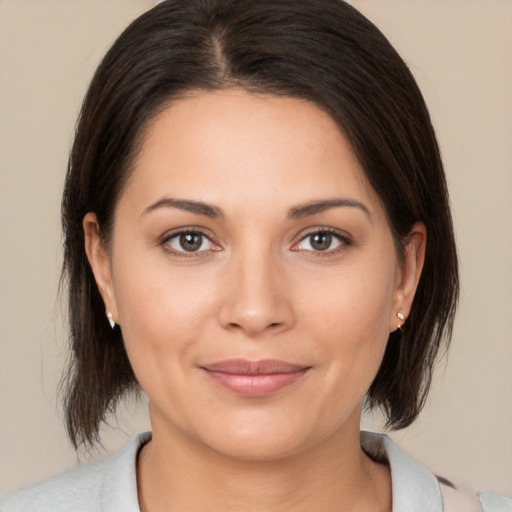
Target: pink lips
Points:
x,y
254,378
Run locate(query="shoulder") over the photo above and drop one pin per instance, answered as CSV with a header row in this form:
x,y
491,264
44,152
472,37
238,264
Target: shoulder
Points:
x,y
74,488
463,499
106,484
495,502
416,488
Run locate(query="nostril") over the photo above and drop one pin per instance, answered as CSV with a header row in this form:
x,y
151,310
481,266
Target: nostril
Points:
x,y
250,328
256,315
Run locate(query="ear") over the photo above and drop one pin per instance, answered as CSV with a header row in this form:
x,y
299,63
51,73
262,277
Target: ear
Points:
x,y
100,263
409,273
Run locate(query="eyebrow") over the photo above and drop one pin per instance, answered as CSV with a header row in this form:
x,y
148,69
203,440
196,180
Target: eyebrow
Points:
x,y
314,207
188,205
298,212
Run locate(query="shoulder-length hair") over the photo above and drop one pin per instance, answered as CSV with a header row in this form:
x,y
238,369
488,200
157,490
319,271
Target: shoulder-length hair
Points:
x,y
323,51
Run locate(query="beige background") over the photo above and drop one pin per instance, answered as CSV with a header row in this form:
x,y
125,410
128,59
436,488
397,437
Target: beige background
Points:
x,y
461,53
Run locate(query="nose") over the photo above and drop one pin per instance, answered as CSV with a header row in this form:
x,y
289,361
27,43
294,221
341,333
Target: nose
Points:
x,y
257,299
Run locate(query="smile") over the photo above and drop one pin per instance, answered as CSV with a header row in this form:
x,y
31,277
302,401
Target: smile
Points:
x,y
254,378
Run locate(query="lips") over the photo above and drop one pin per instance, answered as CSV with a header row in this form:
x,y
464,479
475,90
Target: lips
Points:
x,y
254,378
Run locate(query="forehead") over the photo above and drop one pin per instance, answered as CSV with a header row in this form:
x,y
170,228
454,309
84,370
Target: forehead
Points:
x,y
237,148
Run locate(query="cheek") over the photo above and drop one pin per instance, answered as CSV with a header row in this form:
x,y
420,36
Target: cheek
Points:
x,y
352,301
161,312
352,319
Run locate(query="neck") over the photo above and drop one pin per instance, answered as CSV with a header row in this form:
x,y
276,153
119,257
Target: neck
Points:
x,y
177,473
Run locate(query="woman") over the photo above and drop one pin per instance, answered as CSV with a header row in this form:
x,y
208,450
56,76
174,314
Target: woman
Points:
x,y
258,235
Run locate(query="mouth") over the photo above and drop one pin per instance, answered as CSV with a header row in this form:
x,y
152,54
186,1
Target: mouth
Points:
x,y
254,378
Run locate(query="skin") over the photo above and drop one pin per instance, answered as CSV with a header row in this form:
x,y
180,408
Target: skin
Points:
x,y
256,288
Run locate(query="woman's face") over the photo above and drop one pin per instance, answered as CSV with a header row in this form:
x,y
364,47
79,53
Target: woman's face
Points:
x,y
253,273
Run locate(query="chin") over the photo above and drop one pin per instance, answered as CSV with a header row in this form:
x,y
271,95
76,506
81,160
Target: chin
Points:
x,y
266,437
256,447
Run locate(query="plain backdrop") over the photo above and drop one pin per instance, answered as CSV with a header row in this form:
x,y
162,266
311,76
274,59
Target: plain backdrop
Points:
x,y
461,55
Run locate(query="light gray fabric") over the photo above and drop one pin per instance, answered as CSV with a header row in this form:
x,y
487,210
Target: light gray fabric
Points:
x,y
106,485
110,484
495,502
414,487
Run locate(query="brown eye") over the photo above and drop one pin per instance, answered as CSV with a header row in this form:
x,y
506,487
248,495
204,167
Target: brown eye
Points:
x,y
191,242
321,241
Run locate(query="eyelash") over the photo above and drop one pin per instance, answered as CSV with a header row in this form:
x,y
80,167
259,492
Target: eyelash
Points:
x,y
344,240
185,231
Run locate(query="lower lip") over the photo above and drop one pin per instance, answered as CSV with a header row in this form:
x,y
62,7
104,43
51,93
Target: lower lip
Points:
x,y
256,385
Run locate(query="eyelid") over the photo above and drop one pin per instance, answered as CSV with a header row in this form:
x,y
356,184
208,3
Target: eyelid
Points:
x,y
165,239
344,238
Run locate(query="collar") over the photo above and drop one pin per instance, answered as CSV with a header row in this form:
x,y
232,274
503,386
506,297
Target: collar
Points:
x,y
413,486
119,490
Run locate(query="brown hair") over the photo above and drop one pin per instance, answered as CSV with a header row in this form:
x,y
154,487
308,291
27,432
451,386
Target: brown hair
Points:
x,y
320,50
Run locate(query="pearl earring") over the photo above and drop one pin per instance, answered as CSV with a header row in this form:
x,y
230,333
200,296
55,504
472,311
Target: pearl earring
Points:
x,y
111,320
401,316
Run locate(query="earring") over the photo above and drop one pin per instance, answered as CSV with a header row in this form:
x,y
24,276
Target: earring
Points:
x,y
111,320
401,316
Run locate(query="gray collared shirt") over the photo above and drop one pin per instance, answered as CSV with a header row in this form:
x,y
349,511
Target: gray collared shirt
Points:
x,y
110,484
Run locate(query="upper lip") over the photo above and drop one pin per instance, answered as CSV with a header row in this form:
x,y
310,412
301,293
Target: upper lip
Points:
x,y
245,367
